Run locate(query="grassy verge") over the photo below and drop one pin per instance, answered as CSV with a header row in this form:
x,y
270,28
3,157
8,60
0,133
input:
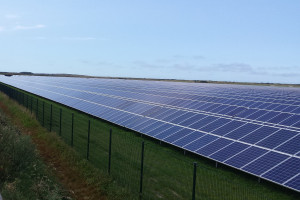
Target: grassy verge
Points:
x,y
168,173
22,173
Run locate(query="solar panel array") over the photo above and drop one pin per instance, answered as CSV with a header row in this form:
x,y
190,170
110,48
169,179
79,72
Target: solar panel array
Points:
x,y
251,128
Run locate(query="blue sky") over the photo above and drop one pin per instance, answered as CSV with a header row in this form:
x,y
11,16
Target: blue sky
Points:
x,y
222,40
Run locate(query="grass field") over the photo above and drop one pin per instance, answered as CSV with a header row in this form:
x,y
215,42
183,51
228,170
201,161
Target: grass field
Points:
x,y
168,174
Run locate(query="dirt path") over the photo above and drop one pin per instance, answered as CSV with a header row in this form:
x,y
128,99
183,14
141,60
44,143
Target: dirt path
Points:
x,y
69,177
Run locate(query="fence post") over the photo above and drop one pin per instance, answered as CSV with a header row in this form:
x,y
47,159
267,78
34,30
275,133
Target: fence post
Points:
x,y
194,181
88,141
109,151
72,129
50,128
43,113
60,116
142,170
26,101
37,109
31,104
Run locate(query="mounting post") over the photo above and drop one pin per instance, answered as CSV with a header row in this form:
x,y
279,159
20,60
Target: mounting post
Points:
x,y
88,141
43,113
72,130
194,181
142,169
50,128
60,118
109,151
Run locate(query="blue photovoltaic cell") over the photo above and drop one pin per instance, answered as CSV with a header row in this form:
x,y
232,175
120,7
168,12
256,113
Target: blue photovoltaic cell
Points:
x,y
245,157
214,125
173,116
227,110
259,134
242,131
158,130
229,151
272,106
263,105
270,115
166,113
255,104
228,127
214,146
291,120
155,125
146,122
248,103
200,142
178,135
294,183
277,138
289,109
279,118
192,120
236,111
203,122
218,108
265,163
257,114
188,138
297,110
194,105
292,146
284,171
246,113
168,132
183,117
141,120
152,110
131,120
124,119
202,106
297,124
209,107
120,117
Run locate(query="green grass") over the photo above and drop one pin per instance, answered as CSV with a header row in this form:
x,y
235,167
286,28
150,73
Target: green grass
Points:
x,y
168,174
22,174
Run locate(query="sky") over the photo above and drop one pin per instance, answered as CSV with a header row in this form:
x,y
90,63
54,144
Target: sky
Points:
x,y
219,40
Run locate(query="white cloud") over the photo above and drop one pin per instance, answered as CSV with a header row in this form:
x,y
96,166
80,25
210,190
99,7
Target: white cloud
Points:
x,y
11,16
20,27
79,38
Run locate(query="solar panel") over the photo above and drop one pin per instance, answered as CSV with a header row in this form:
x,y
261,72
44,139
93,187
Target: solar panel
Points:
x,y
252,128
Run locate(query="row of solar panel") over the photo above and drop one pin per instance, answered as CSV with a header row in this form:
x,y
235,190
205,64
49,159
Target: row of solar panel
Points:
x,y
253,92
168,98
233,129
241,112
248,102
261,115
239,155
